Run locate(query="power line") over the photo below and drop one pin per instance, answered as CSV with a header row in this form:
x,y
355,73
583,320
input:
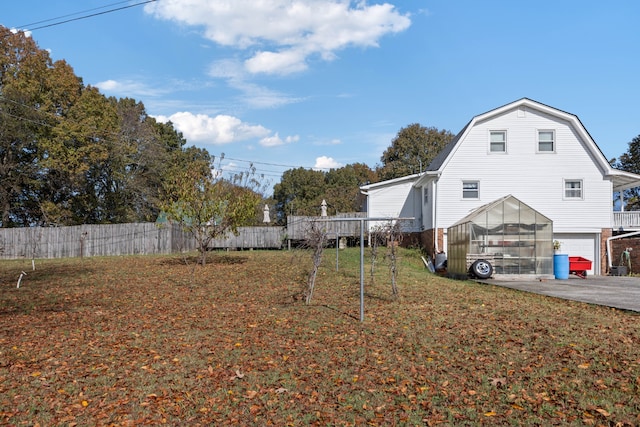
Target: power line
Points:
x,y
265,172
274,164
104,12
72,14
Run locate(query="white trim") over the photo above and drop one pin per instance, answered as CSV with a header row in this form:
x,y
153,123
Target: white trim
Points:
x,y
470,181
554,141
564,189
498,131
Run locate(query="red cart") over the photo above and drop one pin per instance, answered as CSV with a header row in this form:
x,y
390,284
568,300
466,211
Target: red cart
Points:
x,y
579,266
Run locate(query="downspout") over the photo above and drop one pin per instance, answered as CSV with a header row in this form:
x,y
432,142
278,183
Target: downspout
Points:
x,y
609,263
434,193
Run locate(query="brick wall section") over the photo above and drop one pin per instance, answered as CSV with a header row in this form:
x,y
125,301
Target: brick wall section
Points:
x,y
428,240
605,234
619,245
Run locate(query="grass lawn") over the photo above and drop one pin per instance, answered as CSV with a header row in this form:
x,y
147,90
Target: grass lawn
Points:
x,y
143,341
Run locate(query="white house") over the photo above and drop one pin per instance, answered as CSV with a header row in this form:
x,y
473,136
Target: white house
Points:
x,y
541,155
395,198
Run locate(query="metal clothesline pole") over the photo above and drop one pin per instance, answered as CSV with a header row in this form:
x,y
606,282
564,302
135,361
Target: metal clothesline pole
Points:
x,y
362,221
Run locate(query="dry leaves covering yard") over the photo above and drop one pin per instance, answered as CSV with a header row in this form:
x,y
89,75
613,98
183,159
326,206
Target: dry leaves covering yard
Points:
x,y
142,341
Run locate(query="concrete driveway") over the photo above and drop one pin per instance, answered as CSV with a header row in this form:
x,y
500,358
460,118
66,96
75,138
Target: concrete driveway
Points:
x,y
621,292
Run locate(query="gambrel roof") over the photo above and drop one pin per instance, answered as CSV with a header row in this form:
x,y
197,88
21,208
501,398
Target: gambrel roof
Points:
x,y
621,180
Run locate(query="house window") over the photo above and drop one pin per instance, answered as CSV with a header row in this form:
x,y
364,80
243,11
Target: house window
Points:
x,y
470,189
546,141
573,189
425,194
498,141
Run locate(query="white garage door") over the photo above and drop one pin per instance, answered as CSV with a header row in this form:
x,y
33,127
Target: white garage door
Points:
x,y
583,245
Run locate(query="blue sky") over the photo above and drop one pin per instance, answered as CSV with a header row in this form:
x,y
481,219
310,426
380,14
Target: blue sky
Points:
x,y
325,83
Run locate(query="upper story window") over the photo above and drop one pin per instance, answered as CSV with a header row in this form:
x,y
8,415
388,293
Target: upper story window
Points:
x,y
498,141
546,141
573,189
425,194
470,189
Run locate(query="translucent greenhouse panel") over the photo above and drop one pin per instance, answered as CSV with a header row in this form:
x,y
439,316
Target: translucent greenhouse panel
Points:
x,y
478,237
495,219
511,213
527,243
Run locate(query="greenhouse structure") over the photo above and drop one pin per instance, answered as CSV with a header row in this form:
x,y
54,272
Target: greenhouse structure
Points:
x,y
505,237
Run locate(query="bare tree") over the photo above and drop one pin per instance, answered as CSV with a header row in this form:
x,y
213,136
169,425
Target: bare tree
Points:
x,y
394,239
376,237
36,236
316,240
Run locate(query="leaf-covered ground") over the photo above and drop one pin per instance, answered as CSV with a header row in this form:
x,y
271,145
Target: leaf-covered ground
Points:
x,y
143,341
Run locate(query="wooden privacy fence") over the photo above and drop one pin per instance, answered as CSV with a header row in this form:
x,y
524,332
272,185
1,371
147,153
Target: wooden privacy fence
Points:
x,y
251,237
298,226
93,240
153,238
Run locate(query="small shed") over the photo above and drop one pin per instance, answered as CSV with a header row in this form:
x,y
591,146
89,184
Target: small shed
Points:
x,y
504,237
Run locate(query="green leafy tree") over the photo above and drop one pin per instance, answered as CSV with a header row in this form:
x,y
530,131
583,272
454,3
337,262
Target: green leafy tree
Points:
x,y
299,192
80,158
411,151
141,161
343,187
209,206
23,91
630,162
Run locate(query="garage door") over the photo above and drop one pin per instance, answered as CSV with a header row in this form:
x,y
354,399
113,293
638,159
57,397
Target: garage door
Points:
x,y
583,245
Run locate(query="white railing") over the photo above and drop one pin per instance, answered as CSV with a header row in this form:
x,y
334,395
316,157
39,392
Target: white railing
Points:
x,y
626,220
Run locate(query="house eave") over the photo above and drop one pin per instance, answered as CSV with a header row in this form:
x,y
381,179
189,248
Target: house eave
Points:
x,y
426,176
365,188
623,180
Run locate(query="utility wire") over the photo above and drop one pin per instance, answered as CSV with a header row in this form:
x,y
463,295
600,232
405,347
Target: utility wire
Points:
x,y
274,164
72,14
82,17
265,172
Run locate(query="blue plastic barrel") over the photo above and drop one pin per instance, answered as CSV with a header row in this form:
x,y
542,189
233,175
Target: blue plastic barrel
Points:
x,y
561,266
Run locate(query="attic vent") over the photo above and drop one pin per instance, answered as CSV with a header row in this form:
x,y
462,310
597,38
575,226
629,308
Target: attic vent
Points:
x,y
521,112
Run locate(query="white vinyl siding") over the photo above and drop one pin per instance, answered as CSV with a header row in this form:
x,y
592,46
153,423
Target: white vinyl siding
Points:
x,y
395,199
498,141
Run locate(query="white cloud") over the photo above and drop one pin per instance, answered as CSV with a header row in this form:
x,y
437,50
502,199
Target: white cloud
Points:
x,y
254,95
281,35
275,140
285,62
324,162
218,130
129,88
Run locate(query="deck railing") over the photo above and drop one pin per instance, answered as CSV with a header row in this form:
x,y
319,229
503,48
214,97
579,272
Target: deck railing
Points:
x,y
626,220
